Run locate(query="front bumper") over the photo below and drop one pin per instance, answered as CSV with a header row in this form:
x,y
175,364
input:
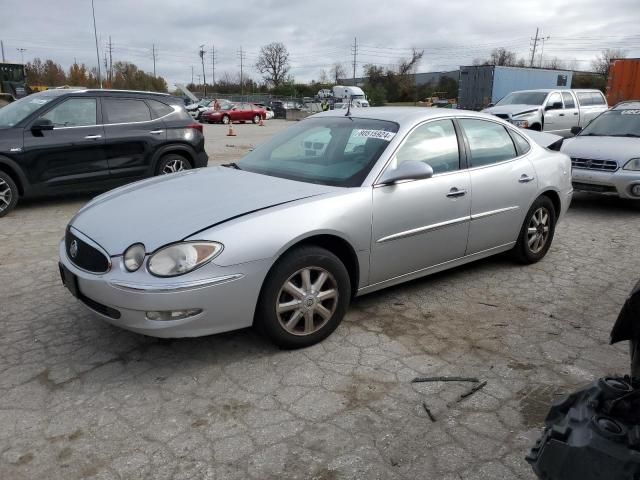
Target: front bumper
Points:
x,y
618,183
227,297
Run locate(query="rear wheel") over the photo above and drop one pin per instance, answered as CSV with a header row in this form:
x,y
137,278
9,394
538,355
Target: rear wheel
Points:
x,y
537,232
226,120
172,163
304,298
8,194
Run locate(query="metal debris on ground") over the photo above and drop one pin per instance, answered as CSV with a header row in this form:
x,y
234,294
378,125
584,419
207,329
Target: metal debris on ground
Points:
x,y
426,409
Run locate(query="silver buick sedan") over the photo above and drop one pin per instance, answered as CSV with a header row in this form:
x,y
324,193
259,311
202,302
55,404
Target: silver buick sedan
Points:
x,y
338,205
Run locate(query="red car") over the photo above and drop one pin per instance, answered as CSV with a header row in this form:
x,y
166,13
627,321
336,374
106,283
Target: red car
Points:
x,y
238,112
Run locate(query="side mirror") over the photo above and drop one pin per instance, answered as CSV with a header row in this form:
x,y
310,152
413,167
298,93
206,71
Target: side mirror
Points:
x,y
554,106
41,124
576,130
491,105
409,170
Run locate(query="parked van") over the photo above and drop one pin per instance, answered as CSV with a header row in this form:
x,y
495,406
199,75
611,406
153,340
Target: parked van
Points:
x,y
550,110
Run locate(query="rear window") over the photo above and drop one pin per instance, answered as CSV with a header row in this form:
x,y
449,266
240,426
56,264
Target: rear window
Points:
x,y
119,110
159,109
597,99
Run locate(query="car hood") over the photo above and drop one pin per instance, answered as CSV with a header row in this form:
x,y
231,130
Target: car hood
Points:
x,y
620,149
173,207
511,109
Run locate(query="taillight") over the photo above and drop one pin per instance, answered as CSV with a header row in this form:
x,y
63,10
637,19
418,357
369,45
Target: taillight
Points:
x,y
196,126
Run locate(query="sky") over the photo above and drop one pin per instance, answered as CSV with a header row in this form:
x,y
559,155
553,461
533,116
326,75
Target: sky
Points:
x,y
317,34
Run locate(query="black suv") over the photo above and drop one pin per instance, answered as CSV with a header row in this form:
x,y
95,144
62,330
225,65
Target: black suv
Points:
x,y
67,140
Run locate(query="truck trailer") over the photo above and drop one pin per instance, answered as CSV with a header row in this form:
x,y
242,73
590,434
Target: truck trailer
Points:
x,y
624,80
483,85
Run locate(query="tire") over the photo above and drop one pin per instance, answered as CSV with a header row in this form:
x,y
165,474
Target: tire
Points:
x,y
8,194
226,120
314,318
172,163
532,245
256,118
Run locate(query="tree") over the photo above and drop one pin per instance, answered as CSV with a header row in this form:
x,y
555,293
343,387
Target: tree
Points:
x,y
77,75
501,57
338,72
273,63
601,63
554,63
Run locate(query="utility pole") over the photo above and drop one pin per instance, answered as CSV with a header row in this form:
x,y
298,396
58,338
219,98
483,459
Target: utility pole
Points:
x,y
355,57
2,48
204,78
535,45
110,71
241,54
213,66
153,52
192,75
95,33
543,39
105,69
21,50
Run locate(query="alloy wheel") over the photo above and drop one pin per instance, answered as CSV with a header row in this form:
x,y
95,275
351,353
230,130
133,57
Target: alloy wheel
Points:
x,y
6,195
538,230
307,301
173,166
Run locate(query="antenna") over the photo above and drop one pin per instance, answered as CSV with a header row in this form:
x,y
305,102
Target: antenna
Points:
x,y
348,114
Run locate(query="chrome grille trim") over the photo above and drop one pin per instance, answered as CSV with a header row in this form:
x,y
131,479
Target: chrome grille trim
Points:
x,y
593,164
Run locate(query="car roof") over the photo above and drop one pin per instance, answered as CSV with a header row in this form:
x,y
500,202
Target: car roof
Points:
x,y
548,90
628,104
56,92
403,114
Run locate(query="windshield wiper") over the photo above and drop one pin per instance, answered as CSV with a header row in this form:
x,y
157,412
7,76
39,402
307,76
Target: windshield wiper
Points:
x,y
231,165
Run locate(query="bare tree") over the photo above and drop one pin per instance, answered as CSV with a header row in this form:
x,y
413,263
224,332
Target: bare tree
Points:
x,y
273,63
337,72
409,66
554,63
601,63
502,56
324,78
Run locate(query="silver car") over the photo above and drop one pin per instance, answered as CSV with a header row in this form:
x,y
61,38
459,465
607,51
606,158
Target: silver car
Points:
x,y
606,154
333,207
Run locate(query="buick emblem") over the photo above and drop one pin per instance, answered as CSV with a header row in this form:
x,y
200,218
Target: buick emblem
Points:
x,y
588,163
73,249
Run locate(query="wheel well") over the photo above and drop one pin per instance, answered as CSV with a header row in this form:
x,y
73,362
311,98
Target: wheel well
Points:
x,y
555,199
14,176
341,249
537,127
180,153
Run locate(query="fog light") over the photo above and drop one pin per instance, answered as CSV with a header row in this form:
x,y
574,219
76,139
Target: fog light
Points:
x,y
635,190
169,315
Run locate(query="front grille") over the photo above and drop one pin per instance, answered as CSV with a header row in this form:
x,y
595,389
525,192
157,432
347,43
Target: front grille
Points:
x,y
84,255
502,115
590,164
590,187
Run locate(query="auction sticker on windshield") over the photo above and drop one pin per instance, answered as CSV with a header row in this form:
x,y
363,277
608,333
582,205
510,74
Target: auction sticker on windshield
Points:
x,y
630,112
381,134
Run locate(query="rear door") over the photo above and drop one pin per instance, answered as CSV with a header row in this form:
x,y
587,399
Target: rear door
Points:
x,y
132,136
503,183
71,153
571,116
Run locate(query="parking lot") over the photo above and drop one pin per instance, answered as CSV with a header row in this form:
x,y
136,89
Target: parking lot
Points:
x,y
82,399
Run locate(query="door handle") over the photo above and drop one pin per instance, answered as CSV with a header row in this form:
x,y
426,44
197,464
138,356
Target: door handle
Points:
x,y
561,114
156,132
93,137
575,113
454,193
524,178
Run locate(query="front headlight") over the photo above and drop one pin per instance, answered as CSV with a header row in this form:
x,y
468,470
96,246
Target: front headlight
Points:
x,y
521,123
133,257
633,164
181,258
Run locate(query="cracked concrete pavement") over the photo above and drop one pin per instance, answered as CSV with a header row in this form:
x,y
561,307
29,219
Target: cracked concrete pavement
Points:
x,y
82,399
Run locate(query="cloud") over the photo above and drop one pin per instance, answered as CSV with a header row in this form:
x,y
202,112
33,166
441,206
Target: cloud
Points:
x,y
317,34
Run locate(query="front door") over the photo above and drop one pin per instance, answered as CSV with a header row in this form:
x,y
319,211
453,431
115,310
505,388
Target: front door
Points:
x,y
422,223
132,136
554,114
503,182
72,152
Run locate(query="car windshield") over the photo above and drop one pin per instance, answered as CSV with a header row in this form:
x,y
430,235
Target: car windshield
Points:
x,y
523,98
17,111
337,151
614,123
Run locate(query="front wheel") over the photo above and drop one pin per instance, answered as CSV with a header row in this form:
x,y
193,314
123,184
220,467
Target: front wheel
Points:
x,y
8,194
256,118
304,298
537,232
226,120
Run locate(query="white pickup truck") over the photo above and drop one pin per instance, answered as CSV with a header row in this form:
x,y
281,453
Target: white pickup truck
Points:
x,y
548,110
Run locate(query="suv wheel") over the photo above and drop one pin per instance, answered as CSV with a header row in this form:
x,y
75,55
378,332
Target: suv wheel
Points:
x,y
8,194
172,163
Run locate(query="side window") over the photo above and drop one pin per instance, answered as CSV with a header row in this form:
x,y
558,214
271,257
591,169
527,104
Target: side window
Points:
x,y
159,109
584,99
120,110
521,143
434,143
75,112
568,100
555,97
489,142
